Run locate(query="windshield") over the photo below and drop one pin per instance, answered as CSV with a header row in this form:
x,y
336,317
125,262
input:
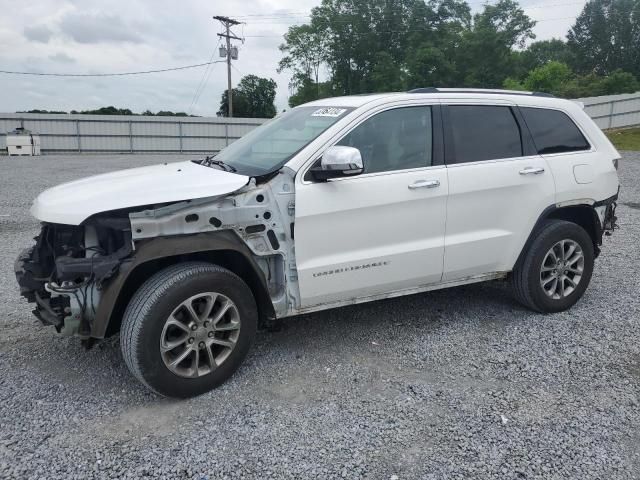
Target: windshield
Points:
x,y
270,146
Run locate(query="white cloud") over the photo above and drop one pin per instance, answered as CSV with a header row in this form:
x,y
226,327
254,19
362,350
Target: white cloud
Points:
x,y
92,36
97,28
62,57
38,33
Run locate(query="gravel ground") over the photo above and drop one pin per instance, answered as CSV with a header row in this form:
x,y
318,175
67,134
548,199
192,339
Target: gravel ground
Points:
x,y
462,383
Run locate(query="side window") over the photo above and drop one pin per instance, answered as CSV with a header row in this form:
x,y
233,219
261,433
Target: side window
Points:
x,y
483,132
553,131
397,139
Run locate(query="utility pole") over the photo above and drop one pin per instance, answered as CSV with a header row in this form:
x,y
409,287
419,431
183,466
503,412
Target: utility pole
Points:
x,y
228,23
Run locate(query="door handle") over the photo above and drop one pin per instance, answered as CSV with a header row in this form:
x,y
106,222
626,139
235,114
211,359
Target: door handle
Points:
x,y
424,184
532,171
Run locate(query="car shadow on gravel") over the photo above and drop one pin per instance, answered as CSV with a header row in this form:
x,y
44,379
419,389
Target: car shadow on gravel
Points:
x,y
424,311
360,334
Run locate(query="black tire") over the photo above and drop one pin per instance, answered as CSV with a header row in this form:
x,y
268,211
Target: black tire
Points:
x,y
525,279
145,316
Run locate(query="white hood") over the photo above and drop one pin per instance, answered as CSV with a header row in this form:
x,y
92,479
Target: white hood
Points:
x,y
72,203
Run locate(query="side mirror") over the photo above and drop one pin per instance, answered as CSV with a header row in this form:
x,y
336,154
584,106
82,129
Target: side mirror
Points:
x,y
338,162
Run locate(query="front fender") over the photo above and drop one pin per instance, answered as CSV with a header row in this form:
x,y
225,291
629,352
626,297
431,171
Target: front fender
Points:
x,y
159,248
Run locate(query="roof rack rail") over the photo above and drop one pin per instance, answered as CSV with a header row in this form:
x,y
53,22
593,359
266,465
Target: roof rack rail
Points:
x,y
424,90
480,90
543,94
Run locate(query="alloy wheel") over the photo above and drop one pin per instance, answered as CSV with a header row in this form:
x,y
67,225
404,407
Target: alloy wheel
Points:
x,y
562,269
200,334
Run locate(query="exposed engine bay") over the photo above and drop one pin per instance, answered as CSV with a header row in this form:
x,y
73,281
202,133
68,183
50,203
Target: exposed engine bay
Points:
x,y
65,271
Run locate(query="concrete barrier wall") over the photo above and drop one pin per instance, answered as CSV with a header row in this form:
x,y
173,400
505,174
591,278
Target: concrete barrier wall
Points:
x,y
614,111
60,133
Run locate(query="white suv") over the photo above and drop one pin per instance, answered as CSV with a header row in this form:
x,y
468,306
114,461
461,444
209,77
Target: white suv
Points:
x,y
336,202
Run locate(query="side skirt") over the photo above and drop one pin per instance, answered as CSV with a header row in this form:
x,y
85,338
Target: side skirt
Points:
x,y
400,293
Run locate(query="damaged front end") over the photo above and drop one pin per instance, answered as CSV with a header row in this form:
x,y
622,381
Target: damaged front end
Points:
x,y
64,273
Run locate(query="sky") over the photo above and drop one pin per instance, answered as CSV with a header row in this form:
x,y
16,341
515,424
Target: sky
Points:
x,y
92,36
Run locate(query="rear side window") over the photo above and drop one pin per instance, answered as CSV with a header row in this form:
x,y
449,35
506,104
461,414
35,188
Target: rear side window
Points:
x,y
553,131
482,132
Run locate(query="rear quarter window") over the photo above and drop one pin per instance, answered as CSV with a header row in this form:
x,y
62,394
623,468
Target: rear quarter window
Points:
x,y
553,131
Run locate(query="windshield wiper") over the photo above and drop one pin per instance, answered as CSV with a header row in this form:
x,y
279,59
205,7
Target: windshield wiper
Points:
x,y
209,161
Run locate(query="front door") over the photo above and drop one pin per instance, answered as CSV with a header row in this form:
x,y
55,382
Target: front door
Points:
x,y
382,231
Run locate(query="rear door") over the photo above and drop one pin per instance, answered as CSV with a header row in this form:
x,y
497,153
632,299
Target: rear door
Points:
x,y
381,231
498,187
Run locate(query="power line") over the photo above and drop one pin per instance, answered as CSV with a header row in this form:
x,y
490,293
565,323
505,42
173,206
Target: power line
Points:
x,y
203,81
283,13
121,74
204,86
236,69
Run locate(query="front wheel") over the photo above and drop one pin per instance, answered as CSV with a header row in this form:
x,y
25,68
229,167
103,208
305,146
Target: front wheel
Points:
x,y
188,328
556,269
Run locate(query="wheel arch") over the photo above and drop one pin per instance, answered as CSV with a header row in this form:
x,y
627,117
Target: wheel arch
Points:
x,y
225,249
582,214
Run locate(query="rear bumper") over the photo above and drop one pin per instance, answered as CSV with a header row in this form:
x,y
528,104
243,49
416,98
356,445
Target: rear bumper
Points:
x,y
606,212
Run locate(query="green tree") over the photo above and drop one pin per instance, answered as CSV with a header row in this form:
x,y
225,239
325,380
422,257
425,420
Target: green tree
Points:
x,y
304,50
436,42
620,82
589,85
168,113
542,52
43,111
558,79
386,74
512,84
552,77
356,32
430,66
487,49
253,98
387,45
108,111
548,78
370,46
308,91
606,37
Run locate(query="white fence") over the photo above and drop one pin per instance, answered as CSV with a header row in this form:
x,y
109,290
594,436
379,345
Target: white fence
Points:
x,y
61,133
614,111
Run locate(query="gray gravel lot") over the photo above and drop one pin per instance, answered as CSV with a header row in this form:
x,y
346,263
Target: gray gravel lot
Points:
x,y
462,383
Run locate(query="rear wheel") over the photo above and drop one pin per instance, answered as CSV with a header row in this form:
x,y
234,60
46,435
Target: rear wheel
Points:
x,y
188,329
556,269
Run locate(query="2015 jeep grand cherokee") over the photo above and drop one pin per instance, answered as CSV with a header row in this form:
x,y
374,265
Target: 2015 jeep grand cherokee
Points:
x,y
336,202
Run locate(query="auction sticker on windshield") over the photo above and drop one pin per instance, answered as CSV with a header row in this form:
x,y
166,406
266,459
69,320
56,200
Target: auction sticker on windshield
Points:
x,y
329,112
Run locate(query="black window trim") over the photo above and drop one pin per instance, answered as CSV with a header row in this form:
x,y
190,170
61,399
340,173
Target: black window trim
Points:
x,y
528,147
573,120
437,143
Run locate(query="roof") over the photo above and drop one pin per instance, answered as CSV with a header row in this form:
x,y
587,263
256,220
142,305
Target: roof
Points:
x,y
350,101
434,93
